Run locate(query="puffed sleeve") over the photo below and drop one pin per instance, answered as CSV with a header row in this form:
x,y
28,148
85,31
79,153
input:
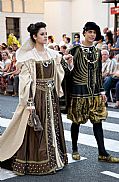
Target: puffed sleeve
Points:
x,y
24,82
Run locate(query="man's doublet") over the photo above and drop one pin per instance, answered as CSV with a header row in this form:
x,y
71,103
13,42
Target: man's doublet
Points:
x,y
87,73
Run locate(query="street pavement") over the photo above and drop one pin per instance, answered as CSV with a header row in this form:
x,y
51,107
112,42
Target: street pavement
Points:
x,y
88,168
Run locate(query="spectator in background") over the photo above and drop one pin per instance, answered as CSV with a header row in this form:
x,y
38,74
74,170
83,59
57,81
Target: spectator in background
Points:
x,y
51,42
62,42
105,30
76,39
5,62
112,82
108,65
63,100
4,67
14,47
68,42
12,40
104,47
63,50
100,43
13,76
4,46
116,46
57,48
109,39
10,50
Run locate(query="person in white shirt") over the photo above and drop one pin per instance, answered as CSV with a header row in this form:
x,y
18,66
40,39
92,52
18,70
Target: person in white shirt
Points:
x,y
4,67
108,65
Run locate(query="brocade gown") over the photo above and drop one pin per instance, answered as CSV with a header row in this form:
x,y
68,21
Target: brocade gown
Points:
x,y
43,152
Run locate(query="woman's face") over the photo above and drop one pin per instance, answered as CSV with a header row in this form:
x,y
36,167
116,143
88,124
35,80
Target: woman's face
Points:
x,y
41,37
4,56
90,36
13,58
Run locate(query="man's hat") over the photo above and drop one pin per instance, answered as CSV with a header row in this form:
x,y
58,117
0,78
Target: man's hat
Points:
x,y
93,26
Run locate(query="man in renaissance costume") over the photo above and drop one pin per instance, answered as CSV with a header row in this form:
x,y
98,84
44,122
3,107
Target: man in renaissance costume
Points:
x,y
87,97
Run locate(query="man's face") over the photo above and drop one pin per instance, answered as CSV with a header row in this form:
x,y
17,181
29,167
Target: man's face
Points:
x,y
90,35
105,56
76,38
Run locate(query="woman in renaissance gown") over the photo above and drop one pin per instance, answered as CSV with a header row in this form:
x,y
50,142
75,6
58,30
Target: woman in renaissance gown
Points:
x,y
22,148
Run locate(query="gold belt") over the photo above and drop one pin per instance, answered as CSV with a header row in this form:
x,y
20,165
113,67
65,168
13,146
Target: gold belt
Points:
x,y
45,85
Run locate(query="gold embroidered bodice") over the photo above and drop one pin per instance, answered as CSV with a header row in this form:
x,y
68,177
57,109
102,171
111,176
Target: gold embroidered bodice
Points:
x,y
45,69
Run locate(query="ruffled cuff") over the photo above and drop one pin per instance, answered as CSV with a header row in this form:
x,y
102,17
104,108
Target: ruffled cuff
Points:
x,y
103,93
30,104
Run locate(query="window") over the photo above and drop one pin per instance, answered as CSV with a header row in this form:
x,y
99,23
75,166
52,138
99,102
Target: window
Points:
x,y
12,26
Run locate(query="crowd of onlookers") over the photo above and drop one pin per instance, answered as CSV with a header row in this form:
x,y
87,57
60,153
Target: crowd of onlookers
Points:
x,y
9,75
110,65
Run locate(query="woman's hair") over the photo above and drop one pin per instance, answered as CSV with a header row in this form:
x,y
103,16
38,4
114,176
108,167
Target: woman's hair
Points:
x,y
14,55
57,47
34,28
110,37
50,37
4,46
111,54
68,39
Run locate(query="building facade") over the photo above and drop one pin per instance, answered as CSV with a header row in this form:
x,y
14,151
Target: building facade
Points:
x,y
61,16
16,15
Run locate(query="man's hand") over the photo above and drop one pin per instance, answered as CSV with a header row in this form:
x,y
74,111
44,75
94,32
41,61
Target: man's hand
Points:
x,y
68,58
104,98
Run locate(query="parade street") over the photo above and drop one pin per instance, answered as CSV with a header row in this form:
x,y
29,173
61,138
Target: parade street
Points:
x,y
88,169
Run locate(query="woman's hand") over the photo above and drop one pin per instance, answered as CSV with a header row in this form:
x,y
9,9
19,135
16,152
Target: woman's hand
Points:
x,y
30,105
11,76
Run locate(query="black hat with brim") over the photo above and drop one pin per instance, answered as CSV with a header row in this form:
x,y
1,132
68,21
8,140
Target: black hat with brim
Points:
x,y
93,26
